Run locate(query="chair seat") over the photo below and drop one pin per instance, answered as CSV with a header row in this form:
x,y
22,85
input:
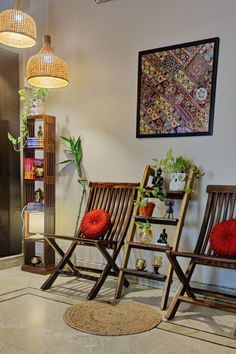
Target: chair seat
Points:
x,y
211,260
83,241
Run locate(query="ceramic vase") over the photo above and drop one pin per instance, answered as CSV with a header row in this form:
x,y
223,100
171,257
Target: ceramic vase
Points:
x,y
178,182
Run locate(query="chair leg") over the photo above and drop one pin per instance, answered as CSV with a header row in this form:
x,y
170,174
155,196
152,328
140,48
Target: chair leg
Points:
x,y
183,279
65,260
99,283
58,249
111,260
110,264
170,314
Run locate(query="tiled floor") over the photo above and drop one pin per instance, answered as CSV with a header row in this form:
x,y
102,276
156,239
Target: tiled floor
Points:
x,y
31,321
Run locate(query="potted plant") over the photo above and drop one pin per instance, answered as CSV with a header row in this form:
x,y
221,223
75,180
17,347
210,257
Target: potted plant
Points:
x,y
37,93
178,167
34,100
145,235
74,151
146,207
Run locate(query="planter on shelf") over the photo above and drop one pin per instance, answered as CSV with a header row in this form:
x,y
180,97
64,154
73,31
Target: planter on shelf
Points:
x,y
37,106
145,236
147,210
178,182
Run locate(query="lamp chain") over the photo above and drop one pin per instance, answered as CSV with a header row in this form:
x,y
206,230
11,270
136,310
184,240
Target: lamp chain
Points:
x,y
16,4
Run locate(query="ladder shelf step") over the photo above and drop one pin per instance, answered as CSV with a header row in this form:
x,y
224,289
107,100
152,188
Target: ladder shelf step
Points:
x,y
149,246
143,274
155,220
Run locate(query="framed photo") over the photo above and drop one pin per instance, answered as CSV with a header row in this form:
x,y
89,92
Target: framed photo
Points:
x,y
176,89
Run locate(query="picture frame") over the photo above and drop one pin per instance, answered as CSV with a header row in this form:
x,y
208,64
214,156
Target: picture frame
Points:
x,y
176,89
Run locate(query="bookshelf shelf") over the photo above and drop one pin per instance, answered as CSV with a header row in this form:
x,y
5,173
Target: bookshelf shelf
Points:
x,y
39,168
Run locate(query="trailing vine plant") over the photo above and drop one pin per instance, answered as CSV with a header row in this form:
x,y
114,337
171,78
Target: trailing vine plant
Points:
x,y
75,152
36,93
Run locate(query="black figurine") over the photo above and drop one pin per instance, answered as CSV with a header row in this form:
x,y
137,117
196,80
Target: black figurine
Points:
x,y
38,195
163,237
40,132
158,180
169,208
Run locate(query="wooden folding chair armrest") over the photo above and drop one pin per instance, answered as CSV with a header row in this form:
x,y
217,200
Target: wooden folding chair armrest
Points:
x,y
82,240
60,237
201,257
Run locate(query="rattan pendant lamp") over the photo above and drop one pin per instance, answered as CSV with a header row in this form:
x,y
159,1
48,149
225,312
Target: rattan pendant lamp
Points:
x,y
17,29
46,69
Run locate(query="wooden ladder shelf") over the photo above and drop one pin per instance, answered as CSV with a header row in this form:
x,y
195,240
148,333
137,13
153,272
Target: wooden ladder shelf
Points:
x,y
131,244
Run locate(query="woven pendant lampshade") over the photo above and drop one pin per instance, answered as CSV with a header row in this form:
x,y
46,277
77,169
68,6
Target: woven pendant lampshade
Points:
x,y
46,69
17,29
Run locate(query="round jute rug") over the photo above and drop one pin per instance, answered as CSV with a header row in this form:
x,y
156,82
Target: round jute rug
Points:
x,y
112,318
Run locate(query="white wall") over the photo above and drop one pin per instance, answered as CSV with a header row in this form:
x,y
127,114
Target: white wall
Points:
x,y
100,43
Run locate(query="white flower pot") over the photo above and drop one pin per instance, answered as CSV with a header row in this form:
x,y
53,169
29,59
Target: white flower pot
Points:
x,y
178,182
37,106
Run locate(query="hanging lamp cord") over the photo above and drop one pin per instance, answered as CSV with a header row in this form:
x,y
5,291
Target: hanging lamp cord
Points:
x,y
16,4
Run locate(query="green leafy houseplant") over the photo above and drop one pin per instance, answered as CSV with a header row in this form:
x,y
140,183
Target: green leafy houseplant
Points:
x,y
145,235
178,164
75,152
36,93
146,193
143,225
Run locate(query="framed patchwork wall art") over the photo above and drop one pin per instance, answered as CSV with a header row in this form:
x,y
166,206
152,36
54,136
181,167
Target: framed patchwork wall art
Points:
x,y
176,89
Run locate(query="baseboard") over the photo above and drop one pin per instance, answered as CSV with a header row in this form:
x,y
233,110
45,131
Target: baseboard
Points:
x,y
11,261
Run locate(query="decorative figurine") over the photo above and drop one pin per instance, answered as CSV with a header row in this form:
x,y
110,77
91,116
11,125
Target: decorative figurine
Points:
x,y
169,208
178,182
38,195
158,180
163,237
156,263
36,260
40,132
140,264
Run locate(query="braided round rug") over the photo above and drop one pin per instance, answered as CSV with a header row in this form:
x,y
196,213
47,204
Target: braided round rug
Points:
x,y
112,318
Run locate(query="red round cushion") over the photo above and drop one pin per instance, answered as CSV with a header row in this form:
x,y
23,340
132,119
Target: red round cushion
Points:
x,y
223,238
95,223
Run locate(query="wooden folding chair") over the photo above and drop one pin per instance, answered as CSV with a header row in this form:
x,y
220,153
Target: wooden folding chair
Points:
x,y
220,206
117,199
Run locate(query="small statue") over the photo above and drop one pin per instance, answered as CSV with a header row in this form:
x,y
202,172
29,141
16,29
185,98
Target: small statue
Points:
x,y
169,208
156,263
40,132
140,264
38,195
158,180
163,237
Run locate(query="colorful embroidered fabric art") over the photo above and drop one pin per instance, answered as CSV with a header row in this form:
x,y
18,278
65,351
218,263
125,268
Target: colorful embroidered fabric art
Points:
x,y
176,89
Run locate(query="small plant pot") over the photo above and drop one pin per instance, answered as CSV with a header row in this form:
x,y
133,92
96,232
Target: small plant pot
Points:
x,y
178,182
147,210
145,236
37,106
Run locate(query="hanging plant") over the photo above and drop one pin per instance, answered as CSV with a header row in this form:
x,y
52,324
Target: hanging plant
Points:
x,y
37,93
75,152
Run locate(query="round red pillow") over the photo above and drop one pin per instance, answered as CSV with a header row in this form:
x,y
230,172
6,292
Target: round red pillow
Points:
x,y
223,238
95,223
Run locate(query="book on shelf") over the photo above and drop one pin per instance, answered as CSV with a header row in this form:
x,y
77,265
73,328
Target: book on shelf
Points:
x,y
33,168
35,206
35,142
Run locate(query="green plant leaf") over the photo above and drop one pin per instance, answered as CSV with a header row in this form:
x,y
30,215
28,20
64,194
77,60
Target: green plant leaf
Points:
x,y
64,138
66,161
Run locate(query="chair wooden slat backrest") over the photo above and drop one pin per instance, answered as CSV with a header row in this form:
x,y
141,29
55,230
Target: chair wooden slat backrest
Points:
x,y
117,199
220,207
